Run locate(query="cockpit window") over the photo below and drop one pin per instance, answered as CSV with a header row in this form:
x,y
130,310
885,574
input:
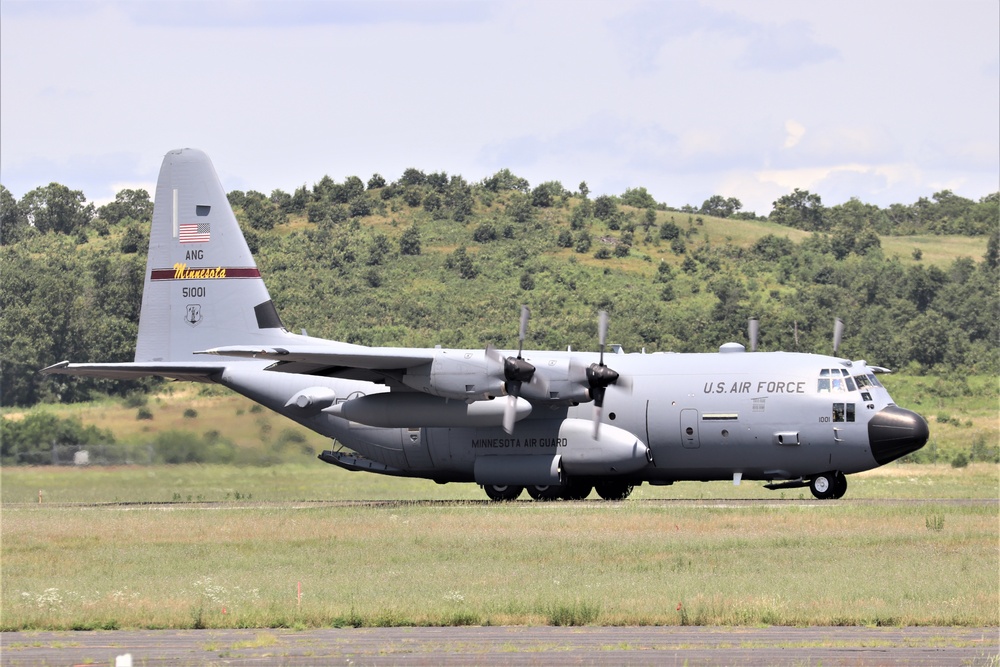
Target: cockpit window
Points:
x,y
868,380
835,380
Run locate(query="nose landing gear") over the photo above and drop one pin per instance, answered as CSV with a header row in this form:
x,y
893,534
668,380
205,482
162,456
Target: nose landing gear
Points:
x,y
829,485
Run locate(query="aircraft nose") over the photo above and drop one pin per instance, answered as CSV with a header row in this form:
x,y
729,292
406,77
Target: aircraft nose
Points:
x,y
894,432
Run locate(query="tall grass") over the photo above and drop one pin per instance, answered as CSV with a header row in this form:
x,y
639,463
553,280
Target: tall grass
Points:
x,y
519,563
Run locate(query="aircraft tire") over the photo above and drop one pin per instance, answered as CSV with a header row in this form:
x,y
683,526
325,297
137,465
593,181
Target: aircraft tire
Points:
x,y
502,493
823,486
576,490
839,485
547,492
614,489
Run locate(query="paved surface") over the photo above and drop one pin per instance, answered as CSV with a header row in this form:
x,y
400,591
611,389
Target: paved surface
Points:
x,y
858,647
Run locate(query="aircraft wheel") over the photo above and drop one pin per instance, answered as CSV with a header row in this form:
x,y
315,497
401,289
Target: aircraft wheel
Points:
x,y
576,490
502,493
548,492
839,485
614,489
823,486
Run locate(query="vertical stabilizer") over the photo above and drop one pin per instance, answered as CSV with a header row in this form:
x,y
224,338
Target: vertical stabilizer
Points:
x,y
202,287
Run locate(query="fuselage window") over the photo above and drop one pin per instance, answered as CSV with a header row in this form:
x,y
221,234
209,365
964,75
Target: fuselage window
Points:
x,y
843,412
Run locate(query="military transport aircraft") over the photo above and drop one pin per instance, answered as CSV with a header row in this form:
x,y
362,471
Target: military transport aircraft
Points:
x,y
560,423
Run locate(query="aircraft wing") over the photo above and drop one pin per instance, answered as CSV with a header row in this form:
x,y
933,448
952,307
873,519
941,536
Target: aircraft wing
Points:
x,y
188,371
354,362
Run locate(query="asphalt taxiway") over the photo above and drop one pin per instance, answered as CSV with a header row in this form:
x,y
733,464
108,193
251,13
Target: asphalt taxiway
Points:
x,y
556,646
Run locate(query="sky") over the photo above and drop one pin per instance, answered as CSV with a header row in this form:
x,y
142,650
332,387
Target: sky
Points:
x,y
884,100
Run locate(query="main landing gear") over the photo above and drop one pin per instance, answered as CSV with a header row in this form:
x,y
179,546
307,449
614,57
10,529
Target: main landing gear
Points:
x,y
572,490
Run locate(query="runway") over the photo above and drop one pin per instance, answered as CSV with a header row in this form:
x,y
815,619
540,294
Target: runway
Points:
x,y
522,504
855,646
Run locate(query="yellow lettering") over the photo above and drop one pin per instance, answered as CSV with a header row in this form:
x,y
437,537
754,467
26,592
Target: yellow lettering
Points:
x,y
182,272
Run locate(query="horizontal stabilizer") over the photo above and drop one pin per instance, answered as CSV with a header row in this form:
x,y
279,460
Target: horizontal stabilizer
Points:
x,y
188,371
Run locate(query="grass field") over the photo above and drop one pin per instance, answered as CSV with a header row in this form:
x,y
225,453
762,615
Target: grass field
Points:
x,y
240,562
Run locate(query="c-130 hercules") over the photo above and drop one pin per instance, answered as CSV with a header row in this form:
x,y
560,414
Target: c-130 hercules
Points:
x,y
500,419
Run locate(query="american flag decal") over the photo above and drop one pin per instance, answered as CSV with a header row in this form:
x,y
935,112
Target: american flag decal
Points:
x,y
195,232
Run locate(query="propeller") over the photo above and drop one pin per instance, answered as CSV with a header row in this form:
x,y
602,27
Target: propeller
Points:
x,y
753,332
838,333
600,377
516,372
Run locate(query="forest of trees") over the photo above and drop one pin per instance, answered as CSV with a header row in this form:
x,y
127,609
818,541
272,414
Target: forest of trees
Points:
x,y
433,259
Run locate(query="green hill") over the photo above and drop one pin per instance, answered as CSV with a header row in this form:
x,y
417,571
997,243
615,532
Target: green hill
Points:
x,y
434,260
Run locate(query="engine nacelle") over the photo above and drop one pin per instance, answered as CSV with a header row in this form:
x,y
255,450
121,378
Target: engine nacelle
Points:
x,y
559,387
406,409
615,452
468,375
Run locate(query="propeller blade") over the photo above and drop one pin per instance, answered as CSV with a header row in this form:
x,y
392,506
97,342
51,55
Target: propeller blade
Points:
x,y
838,333
753,331
509,413
493,353
602,331
523,332
597,420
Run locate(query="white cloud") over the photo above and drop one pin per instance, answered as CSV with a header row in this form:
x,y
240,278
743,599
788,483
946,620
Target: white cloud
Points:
x,y
794,133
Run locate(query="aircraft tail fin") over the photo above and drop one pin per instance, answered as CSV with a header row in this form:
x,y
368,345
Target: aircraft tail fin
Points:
x,y
202,287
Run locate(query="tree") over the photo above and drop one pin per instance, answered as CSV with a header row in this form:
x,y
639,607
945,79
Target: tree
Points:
x,y
605,207
409,242
261,212
584,190
504,180
376,181
520,209
720,207
56,208
12,221
378,248
353,187
638,197
581,214
772,248
800,209
546,194
130,204
458,199
412,176
669,230
992,256
460,261
484,233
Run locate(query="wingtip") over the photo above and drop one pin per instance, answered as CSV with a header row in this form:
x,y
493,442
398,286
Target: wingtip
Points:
x,y
54,368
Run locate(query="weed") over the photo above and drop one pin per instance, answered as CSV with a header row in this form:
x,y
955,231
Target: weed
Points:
x,y
935,522
571,614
